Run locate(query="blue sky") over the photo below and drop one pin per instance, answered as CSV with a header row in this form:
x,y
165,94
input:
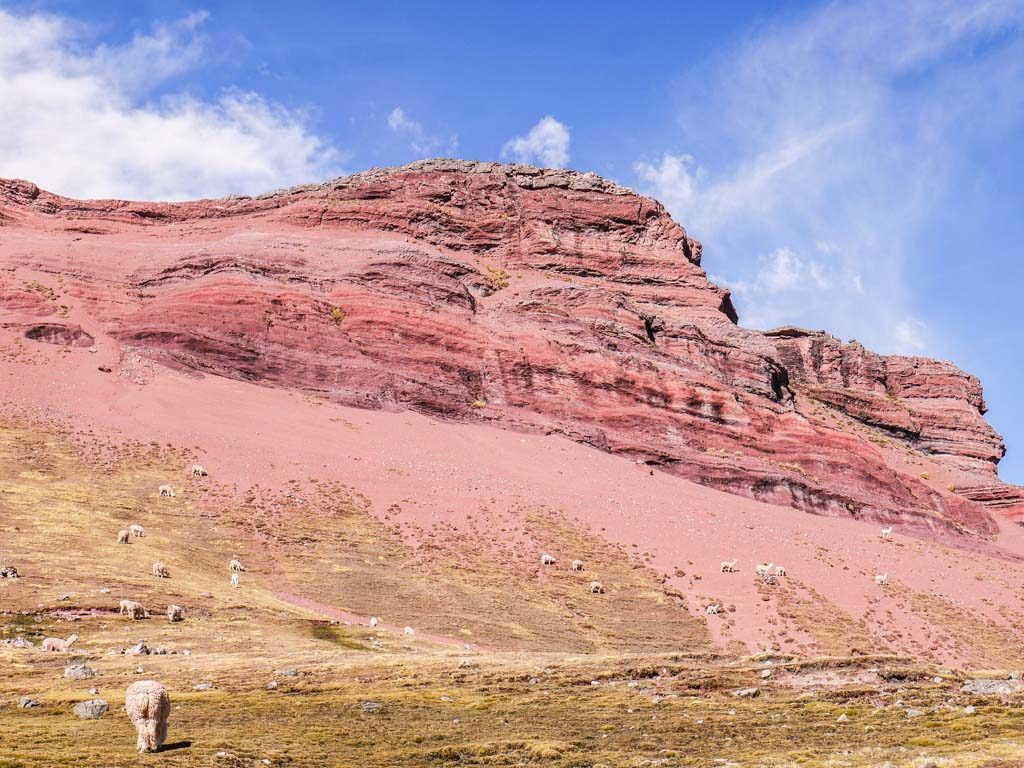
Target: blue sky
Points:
x,y
852,166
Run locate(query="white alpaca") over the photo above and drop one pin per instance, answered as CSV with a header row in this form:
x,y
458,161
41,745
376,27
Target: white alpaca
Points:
x,y
58,645
137,531
235,565
596,588
198,471
409,631
764,569
160,571
780,570
729,566
148,707
713,609
577,565
373,621
122,536
881,578
175,613
887,532
547,559
166,490
234,579
132,609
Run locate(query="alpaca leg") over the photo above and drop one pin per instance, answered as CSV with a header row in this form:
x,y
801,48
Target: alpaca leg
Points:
x,y
141,743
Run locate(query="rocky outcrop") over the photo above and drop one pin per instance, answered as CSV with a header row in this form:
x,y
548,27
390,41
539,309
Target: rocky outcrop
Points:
x,y
533,299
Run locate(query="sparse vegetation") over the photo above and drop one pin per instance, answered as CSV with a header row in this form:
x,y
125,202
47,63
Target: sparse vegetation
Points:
x,y
497,278
337,315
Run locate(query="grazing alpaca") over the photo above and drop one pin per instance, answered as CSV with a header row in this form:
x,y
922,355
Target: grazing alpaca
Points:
x,y
132,609
882,578
547,559
198,471
577,565
764,569
596,588
780,570
234,579
122,536
58,645
713,609
235,565
887,532
175,613
373,621
148,707
160,571
137,531
729,566
166,490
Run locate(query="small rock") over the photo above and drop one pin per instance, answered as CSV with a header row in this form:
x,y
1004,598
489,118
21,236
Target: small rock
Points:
x,y
466,664
64,598
93,691
79,672
105,591
1013,676
969,709
92,709
914,713
371,707
290,672
186,652
19,642
27,702
272,685
765,674
202,687
842,718
139,670
747,693
139,649
937,680
991,687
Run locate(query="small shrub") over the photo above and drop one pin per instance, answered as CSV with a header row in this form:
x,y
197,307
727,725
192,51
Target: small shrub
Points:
x,y
497,278
337,315
924,475
478,404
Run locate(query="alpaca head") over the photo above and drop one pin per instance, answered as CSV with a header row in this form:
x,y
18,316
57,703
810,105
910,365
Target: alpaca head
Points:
x,y
71,639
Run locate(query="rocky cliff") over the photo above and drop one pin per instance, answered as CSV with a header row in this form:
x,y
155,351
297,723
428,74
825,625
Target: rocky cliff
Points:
x,y
531,299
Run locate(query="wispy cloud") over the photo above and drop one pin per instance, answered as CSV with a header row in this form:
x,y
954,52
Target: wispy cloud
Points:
x,y
78,120
420,142
844,131
546,144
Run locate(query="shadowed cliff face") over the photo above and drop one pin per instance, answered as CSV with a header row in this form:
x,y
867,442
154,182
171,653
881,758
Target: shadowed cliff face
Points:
x,y
532,299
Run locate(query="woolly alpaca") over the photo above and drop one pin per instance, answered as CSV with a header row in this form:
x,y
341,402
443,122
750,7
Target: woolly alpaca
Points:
x,y
137,530
373,621
577,565
764,569
881,578
148,707
729,566
234,579
160,571
235,565
132,609
166,490
59,645
175,613
547,559
122,536
713,609
198,471
596,588
780,570
887,532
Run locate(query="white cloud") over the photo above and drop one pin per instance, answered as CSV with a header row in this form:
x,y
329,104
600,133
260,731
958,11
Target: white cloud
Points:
x,y
845,130
547,144
419,141
911,335
77,120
